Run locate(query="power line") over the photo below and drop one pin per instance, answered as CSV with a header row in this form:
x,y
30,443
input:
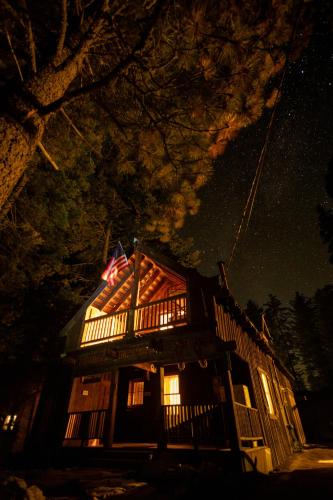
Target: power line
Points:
x,y
248,209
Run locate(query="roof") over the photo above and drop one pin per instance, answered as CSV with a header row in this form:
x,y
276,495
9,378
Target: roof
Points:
x,y
157,274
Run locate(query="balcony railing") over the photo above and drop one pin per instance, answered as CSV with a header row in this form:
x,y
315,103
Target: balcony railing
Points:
x,y
160,315
249,423
104,328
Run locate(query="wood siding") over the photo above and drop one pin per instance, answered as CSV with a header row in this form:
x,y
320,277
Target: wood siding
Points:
x,y
275,427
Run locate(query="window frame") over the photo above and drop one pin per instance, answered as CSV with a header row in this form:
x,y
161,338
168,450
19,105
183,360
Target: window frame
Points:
x,y
269,402
131,394
169,395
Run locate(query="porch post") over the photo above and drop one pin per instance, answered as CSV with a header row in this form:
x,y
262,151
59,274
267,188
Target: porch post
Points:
x,y
112,408
235,442
161,441
134,295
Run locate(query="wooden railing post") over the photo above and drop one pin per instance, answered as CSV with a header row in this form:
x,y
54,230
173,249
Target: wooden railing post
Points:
x,y
111,422
235,442
134,295
161,440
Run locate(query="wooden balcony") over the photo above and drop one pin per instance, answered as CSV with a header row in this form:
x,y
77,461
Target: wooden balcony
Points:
x,y
160,315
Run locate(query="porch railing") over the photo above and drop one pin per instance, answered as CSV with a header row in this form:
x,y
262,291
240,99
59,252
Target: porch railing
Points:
x,y
86,425
202,424
104,328
249,423
160,315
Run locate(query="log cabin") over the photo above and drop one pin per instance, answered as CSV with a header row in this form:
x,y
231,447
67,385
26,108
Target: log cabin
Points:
x,y
166,358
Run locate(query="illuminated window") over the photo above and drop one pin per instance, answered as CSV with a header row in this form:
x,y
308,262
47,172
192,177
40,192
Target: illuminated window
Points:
x,y
9,423
135,393
267,392
171,390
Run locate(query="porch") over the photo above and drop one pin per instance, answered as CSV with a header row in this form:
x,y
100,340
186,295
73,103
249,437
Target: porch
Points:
x,y
201,426
159,315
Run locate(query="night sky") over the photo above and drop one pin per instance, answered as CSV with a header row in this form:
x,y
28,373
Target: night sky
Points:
x,y
282,251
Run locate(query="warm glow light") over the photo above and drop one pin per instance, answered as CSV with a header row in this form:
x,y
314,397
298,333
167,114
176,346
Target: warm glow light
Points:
x,y
9,422
164,320
171,390
135,393
325,461
267,393
93,312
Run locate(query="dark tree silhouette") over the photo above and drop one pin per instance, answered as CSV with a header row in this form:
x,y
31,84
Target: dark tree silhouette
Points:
x,y
326,214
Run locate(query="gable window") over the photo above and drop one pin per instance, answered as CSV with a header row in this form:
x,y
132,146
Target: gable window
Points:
x,y
171,390
135,393
267,392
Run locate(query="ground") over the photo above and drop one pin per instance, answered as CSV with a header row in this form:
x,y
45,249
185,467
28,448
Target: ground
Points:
x,y
307,474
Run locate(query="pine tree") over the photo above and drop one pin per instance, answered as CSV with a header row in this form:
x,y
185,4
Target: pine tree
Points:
x,y
325,214
306,330
285,339
323,316
171,83
254,312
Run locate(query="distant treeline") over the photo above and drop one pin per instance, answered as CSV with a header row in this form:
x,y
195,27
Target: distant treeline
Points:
x,y
302,335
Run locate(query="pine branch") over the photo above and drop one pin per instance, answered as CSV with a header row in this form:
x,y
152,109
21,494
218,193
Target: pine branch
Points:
x,y
47,156
63,30
77,131
14,56
117,70
32,48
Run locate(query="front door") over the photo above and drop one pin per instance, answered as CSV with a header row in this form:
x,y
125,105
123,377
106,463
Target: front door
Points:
x,y
138,408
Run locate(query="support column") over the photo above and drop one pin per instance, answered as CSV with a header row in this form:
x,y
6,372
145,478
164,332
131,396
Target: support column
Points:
x,y
109,435
134,295
161,437
235,442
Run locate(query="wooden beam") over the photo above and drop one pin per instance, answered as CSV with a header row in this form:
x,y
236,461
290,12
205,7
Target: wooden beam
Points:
x,y
129,291
157,289
149,282
113,407
148,367
134,296
161,444
120,285
235,441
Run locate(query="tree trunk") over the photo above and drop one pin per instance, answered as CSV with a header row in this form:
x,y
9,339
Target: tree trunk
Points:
x,y
21,127
17,147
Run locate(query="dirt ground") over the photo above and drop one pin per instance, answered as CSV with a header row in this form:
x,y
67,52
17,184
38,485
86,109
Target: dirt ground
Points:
x,y
308,474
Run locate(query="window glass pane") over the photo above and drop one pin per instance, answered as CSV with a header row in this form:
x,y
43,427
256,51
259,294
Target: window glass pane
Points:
x,y
267,393
135,393
171,390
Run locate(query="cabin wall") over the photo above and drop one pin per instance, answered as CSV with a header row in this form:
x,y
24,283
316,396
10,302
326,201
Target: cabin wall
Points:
x,y
140,423
278,434
90,393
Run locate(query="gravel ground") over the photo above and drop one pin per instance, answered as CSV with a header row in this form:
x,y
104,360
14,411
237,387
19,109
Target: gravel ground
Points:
x,y
306,474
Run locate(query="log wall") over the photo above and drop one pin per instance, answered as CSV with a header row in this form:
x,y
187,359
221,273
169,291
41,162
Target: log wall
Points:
x,y
277,430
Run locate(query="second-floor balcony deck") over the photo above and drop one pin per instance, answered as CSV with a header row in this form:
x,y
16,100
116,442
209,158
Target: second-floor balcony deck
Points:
x,y
160,315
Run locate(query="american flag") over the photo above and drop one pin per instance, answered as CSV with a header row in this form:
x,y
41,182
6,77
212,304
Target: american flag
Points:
x,y
117,262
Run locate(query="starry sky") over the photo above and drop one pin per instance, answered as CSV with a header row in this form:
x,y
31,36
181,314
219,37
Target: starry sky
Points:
x,y
282,251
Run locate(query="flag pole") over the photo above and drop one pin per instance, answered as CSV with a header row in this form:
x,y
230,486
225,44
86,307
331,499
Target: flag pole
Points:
x,y
135,290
